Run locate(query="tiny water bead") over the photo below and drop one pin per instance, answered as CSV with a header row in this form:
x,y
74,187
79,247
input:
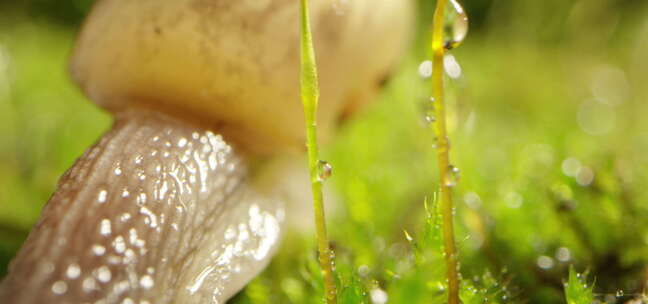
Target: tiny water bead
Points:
x,y
427,109
324,170
429,118
453,176
455,28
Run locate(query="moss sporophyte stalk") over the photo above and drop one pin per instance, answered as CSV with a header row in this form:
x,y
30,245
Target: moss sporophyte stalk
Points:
x,y
319,170
450,26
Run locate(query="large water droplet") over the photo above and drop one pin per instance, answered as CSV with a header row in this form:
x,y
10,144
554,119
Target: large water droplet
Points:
x,y
454,174
324,170
456,26
619,293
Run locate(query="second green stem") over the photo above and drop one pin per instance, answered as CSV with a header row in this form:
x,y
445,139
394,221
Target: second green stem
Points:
x,y
443,149
310,98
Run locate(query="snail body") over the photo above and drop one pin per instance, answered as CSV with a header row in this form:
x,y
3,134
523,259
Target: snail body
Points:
x,y
164,208
156,212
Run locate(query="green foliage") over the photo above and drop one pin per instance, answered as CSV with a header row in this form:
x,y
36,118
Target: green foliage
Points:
x,y
576,289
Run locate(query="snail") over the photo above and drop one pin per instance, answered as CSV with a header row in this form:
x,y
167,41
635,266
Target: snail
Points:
x,y
164,207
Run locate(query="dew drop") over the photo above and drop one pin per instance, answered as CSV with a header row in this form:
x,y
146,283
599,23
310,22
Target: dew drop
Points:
x,y
73,271
427,111
101,197
619,293
429,118
324,170
59,287
89,284
103,274
125,217
146,282
456,25
182,142
98,250
105,228
454,174
119,244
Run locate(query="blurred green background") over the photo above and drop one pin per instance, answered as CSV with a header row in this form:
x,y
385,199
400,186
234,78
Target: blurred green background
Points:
x,y
548,126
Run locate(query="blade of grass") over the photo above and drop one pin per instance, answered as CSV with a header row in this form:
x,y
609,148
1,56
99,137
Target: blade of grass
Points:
x,y
443,149
310,98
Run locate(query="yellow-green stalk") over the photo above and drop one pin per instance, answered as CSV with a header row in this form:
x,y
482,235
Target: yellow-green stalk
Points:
x,y
443,149
310,97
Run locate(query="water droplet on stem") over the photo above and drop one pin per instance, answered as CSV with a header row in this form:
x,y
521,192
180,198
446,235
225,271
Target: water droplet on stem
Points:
x,y
454,174
455,28
324,170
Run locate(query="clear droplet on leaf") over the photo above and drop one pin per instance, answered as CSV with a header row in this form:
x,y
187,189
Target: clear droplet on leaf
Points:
x,y
456,26
454,174
619,293
324,170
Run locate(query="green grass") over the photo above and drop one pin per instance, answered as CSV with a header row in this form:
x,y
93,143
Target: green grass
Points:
x,y
576,289
513,121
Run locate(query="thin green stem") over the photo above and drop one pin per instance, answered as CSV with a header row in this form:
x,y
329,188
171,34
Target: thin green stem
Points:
x,y
310,98
443,151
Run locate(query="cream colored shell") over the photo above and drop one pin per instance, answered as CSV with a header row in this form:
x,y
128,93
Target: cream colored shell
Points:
x,y
234,64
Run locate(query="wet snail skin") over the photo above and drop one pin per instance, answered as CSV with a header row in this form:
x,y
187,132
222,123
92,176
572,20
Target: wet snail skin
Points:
x,y
164,207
